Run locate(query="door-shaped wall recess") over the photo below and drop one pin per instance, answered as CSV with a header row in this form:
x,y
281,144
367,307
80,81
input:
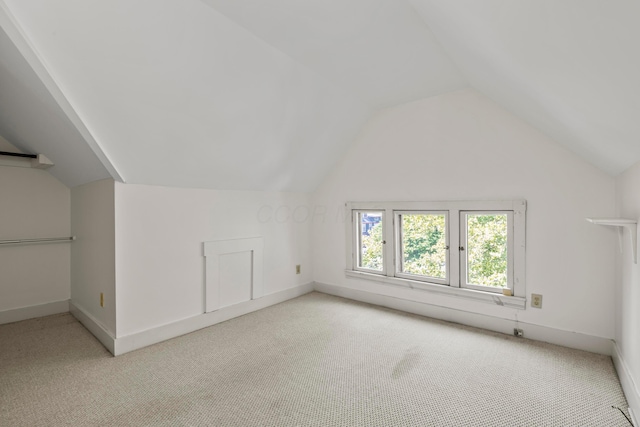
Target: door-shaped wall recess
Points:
x,y
233,272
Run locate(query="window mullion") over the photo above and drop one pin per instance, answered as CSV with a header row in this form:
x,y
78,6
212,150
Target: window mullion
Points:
x,y
519,249
510,253
454,253
389,246
397,243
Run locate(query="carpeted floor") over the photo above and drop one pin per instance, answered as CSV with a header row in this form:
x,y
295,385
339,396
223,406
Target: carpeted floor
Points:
x,y
316,360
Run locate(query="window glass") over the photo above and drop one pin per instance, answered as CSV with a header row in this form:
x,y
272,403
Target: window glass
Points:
x,y
487,247
423,244
370,241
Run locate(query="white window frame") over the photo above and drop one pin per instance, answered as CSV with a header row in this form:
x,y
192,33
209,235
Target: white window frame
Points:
x,y
398,248
357,239
454,288
464,252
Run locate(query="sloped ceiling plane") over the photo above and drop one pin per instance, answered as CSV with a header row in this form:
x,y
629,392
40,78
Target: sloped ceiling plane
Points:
x,y
268,95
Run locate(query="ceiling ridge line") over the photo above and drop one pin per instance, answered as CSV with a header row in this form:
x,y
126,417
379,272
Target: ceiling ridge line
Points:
x,y
332,83
444,51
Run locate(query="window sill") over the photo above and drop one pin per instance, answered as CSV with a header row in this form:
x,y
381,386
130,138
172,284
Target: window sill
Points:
x,y
519,303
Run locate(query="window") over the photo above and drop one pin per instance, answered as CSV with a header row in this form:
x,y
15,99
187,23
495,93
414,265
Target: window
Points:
x,y
486,245
370,241
471,249
422,248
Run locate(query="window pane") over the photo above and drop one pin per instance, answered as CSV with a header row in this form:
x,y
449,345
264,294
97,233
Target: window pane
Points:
x,y
487,249
424,244
370,240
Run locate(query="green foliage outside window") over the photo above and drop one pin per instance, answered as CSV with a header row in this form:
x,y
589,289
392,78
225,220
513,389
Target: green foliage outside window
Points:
x,y
487,250
424,249
371,255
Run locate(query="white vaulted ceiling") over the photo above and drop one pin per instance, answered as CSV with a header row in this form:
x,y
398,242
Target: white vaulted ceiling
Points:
x,y
571,68
32,119
380,50
268,94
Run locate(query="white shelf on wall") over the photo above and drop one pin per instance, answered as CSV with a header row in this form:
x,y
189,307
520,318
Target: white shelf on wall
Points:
x,y
629,224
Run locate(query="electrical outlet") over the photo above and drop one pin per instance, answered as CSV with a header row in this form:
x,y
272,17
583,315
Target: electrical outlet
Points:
x,y
536,300
298,269
101,299
518,332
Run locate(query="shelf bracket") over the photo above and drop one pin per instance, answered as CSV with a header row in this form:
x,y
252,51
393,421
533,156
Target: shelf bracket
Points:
x,y
622,223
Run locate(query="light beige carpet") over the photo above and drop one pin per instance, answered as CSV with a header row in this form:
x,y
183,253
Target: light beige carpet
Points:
x,y
317,360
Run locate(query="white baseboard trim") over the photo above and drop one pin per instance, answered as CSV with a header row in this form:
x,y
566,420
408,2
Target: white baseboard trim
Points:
x,y
41,310
142,339
628,384
569,339
94,326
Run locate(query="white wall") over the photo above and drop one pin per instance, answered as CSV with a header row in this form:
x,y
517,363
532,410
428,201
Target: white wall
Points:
x,y
159,246
93,253
627,310
462,146
33,204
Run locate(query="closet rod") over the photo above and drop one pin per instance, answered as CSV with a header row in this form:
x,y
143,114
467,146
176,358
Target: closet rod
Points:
x,y
47,239
30,156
